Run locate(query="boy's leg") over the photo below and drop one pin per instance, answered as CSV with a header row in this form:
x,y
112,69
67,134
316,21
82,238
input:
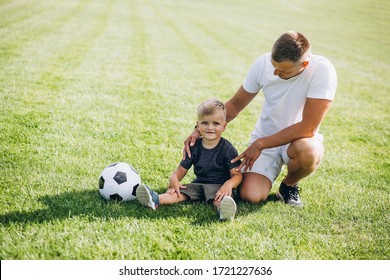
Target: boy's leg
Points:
x,y
147,197
226,207
151,199
167,198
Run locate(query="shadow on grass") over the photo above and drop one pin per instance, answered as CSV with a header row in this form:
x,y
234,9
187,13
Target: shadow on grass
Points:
x,y
89,204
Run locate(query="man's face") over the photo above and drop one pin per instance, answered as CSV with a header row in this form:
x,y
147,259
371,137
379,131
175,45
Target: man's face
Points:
x,y
288,69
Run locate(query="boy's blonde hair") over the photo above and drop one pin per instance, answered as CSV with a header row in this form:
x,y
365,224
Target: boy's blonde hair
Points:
x,y
209,107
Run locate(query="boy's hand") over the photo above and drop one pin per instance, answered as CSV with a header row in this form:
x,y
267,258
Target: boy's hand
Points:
x,y
225,190
174,184
174,187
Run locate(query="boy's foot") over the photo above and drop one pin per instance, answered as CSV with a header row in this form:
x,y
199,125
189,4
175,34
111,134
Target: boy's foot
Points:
x,y
227,208
289,195
147,197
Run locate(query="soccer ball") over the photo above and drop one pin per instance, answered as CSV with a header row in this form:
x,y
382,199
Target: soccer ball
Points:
x,y
119,181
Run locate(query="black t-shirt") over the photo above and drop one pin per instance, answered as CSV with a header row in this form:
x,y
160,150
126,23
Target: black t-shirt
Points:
x,y
211,166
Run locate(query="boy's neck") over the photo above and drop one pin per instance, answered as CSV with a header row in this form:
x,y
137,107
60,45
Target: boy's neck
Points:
x,y
209,144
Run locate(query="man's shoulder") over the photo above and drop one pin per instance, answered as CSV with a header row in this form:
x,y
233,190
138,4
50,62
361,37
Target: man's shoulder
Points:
x,y
263,59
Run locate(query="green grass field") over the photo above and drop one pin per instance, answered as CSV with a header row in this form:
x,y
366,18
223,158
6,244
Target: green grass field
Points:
x,y
87,83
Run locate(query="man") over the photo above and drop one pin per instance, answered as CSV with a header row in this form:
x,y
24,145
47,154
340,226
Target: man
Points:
x,y
298,88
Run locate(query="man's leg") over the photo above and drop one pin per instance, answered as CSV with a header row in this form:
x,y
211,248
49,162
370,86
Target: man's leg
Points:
x,y
254,187
305,156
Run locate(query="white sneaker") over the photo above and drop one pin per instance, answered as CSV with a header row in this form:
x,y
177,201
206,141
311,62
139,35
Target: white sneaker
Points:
x,y
227,208
147,197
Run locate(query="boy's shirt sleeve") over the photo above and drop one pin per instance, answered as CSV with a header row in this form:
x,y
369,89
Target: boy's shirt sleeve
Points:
x,y
188,162
231,153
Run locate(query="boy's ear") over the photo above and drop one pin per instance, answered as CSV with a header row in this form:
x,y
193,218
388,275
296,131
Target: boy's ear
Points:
x,y
224,126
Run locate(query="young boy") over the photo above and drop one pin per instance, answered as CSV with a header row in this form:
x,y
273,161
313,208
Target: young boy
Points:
x,y
211,157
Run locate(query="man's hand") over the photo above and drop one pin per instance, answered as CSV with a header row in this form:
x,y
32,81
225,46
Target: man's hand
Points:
x,y
249,156
189,142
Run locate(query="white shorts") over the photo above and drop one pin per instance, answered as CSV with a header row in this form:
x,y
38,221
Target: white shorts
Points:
x,y
271,161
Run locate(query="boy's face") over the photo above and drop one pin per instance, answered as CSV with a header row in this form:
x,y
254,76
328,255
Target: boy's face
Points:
x,y
212,126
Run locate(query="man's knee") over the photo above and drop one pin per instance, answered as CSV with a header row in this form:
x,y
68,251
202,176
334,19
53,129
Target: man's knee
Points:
x,y
254,188
307,152
251,196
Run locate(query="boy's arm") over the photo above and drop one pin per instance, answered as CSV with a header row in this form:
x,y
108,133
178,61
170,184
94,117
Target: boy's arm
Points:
x,y
174,181
228,187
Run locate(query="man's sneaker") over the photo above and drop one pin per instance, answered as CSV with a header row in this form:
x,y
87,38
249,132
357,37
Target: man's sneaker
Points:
x,y
147,197
289,195
227,208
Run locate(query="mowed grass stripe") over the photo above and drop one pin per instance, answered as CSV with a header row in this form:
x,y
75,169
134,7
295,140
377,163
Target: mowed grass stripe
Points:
x,y
353,22
11,6
200,58
110,71
169,52
17,38
25,13
141,65
38,82
162,56
62,67
225,29
57,54
49,85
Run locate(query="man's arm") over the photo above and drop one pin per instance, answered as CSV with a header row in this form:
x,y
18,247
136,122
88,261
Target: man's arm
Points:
x,y
237,103
313,114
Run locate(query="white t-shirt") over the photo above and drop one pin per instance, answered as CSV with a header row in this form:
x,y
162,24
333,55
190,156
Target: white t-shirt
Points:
x,y
285,99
